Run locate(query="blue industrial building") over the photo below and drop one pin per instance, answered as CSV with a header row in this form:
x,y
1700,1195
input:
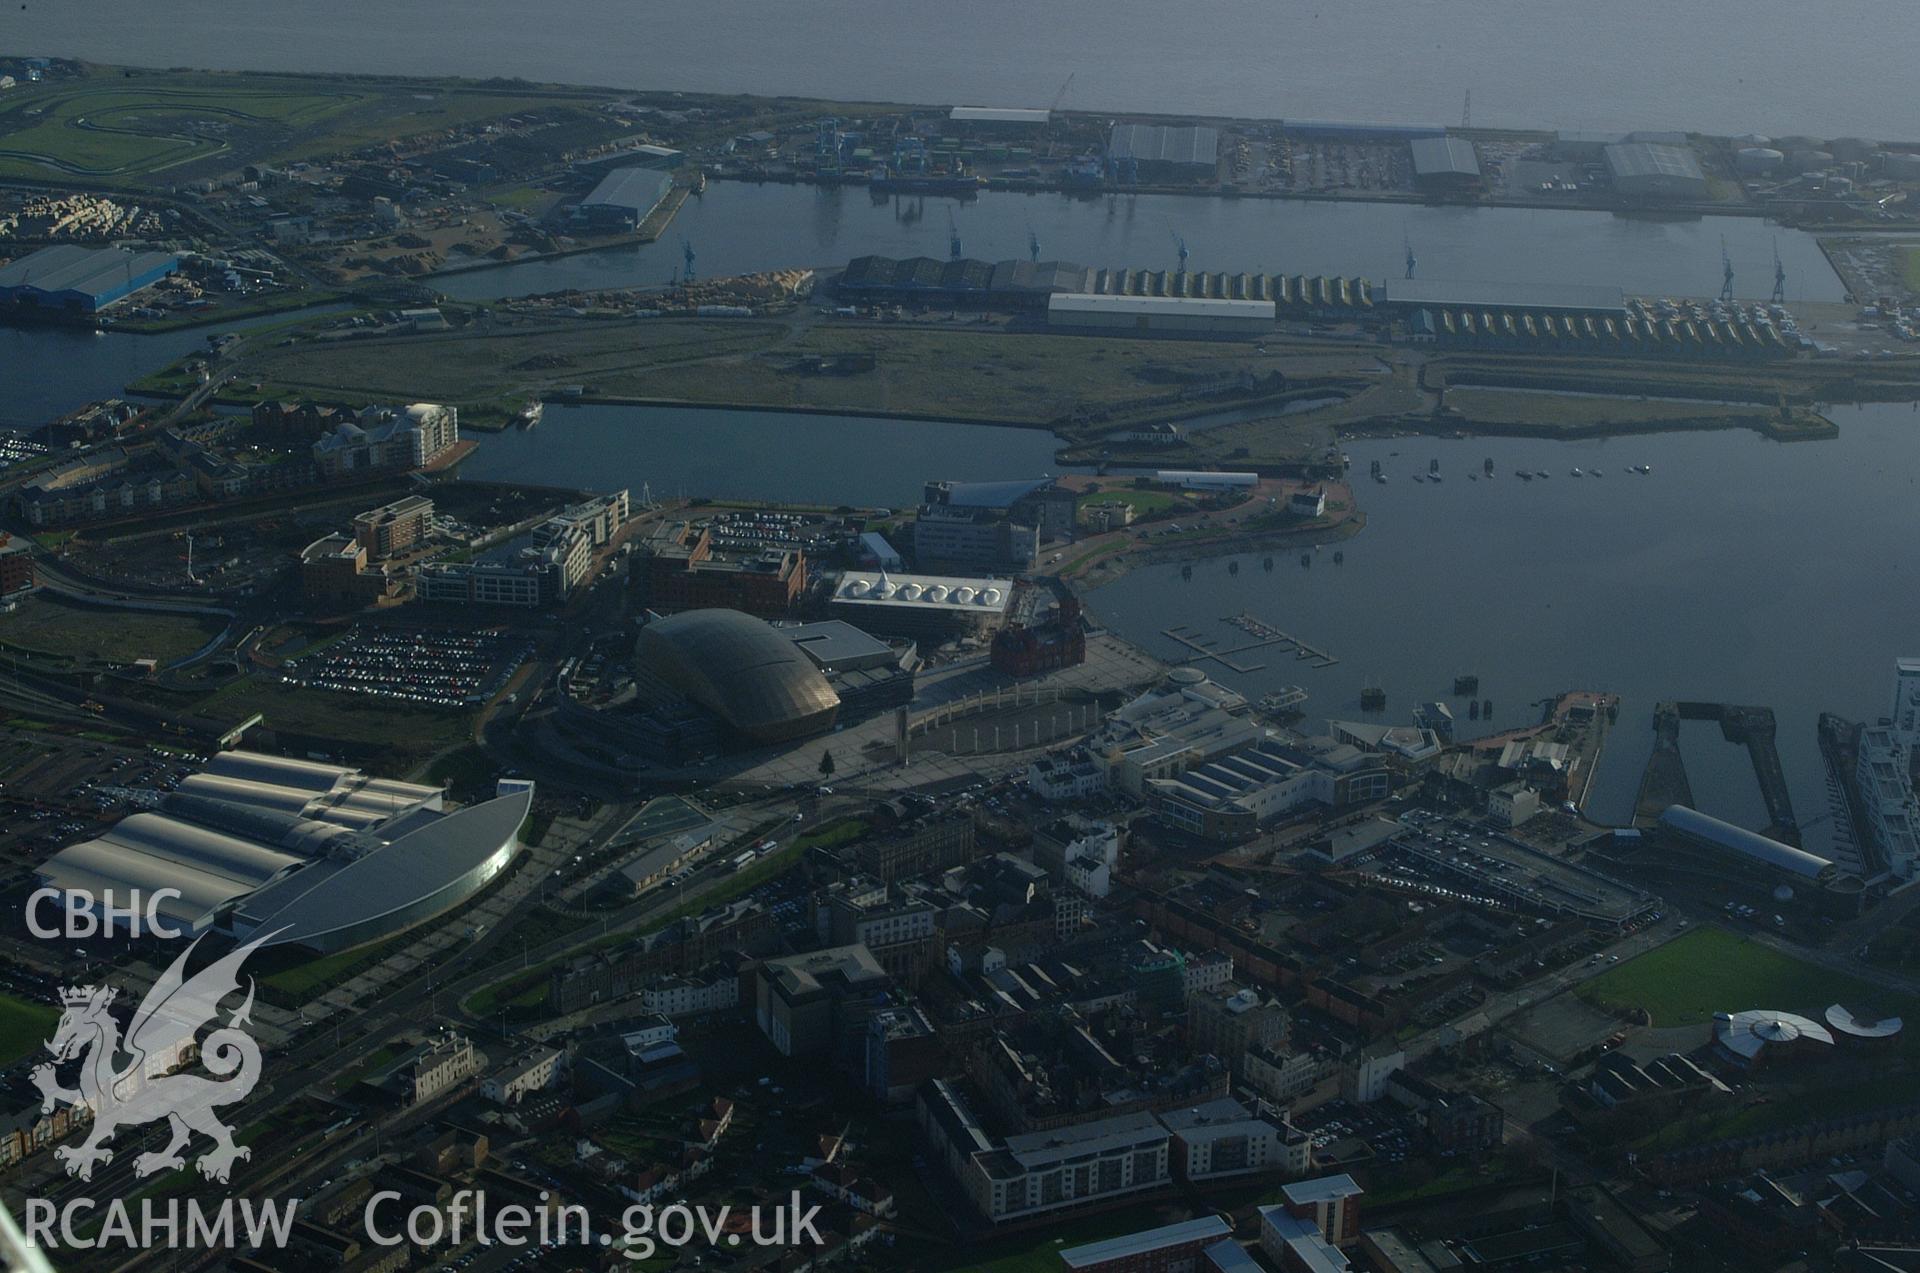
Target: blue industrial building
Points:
x,y
77,280
624,197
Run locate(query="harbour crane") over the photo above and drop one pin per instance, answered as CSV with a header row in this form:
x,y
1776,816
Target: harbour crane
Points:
x,y
1726,272
1410,261
953,236
1181,245
1033,244
1779,277
686,254
1061,96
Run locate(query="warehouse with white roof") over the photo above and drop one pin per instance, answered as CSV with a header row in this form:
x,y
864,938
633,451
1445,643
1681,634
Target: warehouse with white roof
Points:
x,y
1188,316
921,605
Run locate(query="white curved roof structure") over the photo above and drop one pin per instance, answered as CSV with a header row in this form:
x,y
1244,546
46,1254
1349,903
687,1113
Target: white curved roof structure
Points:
x,y
1725,835
280,771
325,793
1842,1021
252,825
151,852
436,863
924,592
1749,1034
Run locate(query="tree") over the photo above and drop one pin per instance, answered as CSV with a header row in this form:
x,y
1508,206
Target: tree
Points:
x,y
826,764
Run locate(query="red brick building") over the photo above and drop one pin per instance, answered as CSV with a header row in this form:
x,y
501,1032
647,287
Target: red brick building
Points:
x,y
16,564
685,573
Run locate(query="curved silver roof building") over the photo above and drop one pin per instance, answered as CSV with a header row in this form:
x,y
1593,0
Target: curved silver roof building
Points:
x,y
432,864
1725,835
317,855
743,671
1841,1020
1747,1035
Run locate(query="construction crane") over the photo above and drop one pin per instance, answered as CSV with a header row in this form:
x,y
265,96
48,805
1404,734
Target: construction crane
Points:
x,y
953,236
1726,272
686,254
1180,244
1061,96
1466,111
1779,277
1410,261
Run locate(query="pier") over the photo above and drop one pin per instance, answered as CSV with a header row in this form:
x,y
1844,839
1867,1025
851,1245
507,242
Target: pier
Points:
x,y
1265,637
1665,781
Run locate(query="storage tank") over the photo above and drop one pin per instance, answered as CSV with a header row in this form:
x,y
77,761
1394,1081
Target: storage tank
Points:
x,y
1901,165
1752,139
1852,147
1810,160
1755,161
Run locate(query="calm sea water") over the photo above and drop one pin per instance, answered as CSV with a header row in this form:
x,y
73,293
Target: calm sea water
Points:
x,y
49,371
736,228
1727,66
1742,570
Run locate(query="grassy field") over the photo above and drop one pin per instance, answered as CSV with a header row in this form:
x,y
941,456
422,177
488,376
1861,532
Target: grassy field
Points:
x,y
404,734
1908,254
963,373
959,372
119,127
1711,970
1279,438
88,634
110,126
504,363
1143,503
24,1026
298,981
1514,408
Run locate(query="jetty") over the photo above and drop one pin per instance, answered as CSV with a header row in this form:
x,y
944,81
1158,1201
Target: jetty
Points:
x,y
1265,636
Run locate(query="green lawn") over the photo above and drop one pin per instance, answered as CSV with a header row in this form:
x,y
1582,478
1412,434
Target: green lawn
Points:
x,y
1143,503
299,980
109,127
405,734
127,127
1711,970
1510,408
88,634
24,1026
1908,255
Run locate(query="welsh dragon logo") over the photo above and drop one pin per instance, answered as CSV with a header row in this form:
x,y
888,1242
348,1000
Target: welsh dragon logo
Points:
x,y
169,1017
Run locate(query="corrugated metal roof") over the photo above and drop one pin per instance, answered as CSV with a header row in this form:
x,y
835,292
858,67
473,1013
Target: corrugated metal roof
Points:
x,y
1144,1242
998,115
1444,156
69,267
1517,296
1193,144
406,873
635,188
1644,159
1078,303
